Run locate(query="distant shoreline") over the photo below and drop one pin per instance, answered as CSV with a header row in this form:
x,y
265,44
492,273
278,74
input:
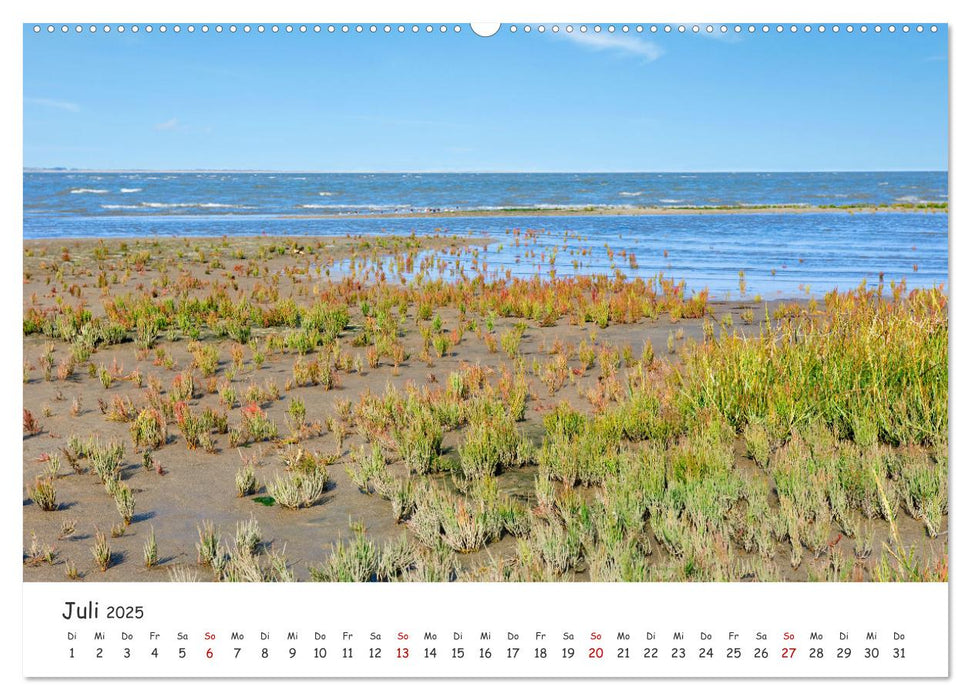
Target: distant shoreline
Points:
x,y
932,207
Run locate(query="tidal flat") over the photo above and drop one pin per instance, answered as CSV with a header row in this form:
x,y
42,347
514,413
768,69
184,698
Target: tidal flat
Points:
x,y
365,408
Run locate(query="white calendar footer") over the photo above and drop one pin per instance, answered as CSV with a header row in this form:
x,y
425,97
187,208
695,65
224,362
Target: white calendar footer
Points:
x,y
481,629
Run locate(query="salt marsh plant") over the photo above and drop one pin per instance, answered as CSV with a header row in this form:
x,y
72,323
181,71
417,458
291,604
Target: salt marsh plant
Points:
x,y
53,468
105,459
400,493
863,545
511,340
35,554
298,490
101,551
183,387
492,444
149,429
465,524
68,528
314,372
436,564
297,459
558,547
205,357
753,523
370,464
248,536
209,549
922,485
296,414
194,428
104,376
124,502
146,331
328,320
586,456
245,481
418,437
396,557
227,395
757,442
183,574
303,342
868,367
31,426
642,416
624,562
150,551
243,566
492,345
71,571
65,369
339,430
255,426
121,409
43,494
354,562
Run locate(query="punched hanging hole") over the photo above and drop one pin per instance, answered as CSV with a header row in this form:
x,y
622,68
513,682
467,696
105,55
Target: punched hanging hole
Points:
x,y
485,29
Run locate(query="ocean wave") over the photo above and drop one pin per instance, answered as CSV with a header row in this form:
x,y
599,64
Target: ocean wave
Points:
x,y
86,190
121,206
325,193
631,194
671,201
126,190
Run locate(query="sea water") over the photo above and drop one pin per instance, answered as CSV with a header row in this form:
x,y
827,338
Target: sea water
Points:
x,y
780,254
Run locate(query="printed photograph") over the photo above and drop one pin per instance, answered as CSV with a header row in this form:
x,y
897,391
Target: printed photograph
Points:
x,y
600,303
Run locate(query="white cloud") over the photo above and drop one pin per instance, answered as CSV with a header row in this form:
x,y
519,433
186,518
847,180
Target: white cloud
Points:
x,y
619,43
174,126
53,104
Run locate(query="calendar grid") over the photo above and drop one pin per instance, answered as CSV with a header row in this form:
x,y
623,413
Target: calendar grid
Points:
x,y
413,630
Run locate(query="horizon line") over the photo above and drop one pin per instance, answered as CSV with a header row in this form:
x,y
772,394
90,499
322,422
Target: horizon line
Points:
x,y
58,169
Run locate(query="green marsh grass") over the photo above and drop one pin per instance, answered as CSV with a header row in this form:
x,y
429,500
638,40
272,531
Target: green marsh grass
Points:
x,y
491,445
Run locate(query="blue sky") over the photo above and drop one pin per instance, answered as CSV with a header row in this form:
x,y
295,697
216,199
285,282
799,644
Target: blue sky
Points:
x,y
512,102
